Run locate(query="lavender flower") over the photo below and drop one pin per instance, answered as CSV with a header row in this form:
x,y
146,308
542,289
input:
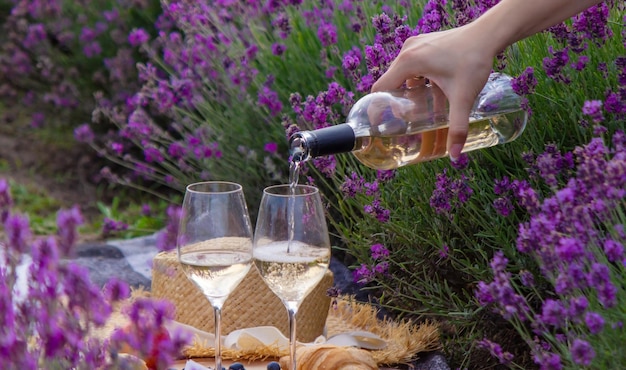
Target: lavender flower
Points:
x,y
67,222
166,239
363,275
525,83
138,36
594,321
450,193
582,352
496,351
379,251
84,134
593,108
110,226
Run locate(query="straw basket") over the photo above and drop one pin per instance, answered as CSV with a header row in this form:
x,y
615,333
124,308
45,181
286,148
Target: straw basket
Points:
x,y
251,304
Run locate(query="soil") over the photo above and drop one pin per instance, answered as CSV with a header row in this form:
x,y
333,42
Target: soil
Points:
x,y
57,167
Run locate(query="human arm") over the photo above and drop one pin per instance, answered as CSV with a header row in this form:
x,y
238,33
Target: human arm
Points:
x,y
459,60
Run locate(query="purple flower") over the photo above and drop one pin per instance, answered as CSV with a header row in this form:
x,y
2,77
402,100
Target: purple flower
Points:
x,y
271,147
449,193
527,278
496,351
117,148
381,268
352,185
17,229
138,36
385,175
375,209
269,98
166,239
594,321
351,60
553,313
444,251
460,163
326,165
500,291
278,49
614,250
6,201
68,222
282,23
363,275
177,150
92,49
525,83
84,134
554,66
577,306
109,226
116,290
503,206
152,154
327,34
593,23
569,249
582,352
379,251
593,108
548,361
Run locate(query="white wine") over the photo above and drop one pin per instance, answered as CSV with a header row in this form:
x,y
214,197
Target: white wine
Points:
x,y
291,275
387,130
216,272
389,152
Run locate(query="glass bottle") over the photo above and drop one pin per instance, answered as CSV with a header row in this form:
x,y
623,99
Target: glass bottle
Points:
x,y
387,130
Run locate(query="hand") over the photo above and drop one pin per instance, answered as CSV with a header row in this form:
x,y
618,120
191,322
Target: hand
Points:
x,y
458,61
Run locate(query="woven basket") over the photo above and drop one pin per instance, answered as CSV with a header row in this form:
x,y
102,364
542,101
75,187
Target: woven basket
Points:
x,y
251,304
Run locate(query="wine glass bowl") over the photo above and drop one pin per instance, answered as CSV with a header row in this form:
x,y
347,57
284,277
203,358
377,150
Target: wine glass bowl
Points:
x,y
291,246
214,243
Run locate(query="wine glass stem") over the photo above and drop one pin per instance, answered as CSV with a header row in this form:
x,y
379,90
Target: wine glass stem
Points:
x,y
217,313
292,337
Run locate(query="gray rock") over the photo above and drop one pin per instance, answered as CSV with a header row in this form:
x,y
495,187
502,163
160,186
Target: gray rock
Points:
x,y
104,261
432,361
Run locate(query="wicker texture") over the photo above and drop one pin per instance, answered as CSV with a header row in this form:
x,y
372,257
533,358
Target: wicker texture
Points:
x,y
251,304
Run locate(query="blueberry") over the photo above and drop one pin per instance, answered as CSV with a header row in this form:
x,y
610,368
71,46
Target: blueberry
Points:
x,y
273,366
236,366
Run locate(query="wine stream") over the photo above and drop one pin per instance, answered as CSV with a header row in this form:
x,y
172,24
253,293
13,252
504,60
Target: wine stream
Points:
x,y
294,174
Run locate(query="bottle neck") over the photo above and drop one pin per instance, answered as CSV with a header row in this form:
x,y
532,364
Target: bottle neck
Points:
x,y
305,145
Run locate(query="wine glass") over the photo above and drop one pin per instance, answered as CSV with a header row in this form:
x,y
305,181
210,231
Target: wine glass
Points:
x,y
291,246
215,243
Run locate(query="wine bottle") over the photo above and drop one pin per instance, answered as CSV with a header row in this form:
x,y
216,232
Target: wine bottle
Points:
x,y
387,130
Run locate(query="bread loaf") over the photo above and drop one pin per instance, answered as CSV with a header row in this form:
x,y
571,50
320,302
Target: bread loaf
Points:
x,y
330,357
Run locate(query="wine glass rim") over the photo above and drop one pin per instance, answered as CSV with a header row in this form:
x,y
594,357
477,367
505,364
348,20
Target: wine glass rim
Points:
x,y
305,190
206,187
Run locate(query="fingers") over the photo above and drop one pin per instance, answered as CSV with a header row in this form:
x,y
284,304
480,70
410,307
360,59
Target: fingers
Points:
x,y
400,70
390,80
459,124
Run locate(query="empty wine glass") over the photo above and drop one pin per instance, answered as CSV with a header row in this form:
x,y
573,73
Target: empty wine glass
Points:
x,y
215,243
291,246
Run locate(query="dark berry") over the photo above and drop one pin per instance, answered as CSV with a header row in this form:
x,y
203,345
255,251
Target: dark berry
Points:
x,y
236,366
273,366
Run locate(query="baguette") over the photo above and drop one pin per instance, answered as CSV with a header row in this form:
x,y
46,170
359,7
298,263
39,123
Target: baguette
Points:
x,y
330,357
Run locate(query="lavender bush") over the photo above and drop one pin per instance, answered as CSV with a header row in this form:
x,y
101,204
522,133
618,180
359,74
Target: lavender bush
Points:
x,y
50,310
576,237
56,55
